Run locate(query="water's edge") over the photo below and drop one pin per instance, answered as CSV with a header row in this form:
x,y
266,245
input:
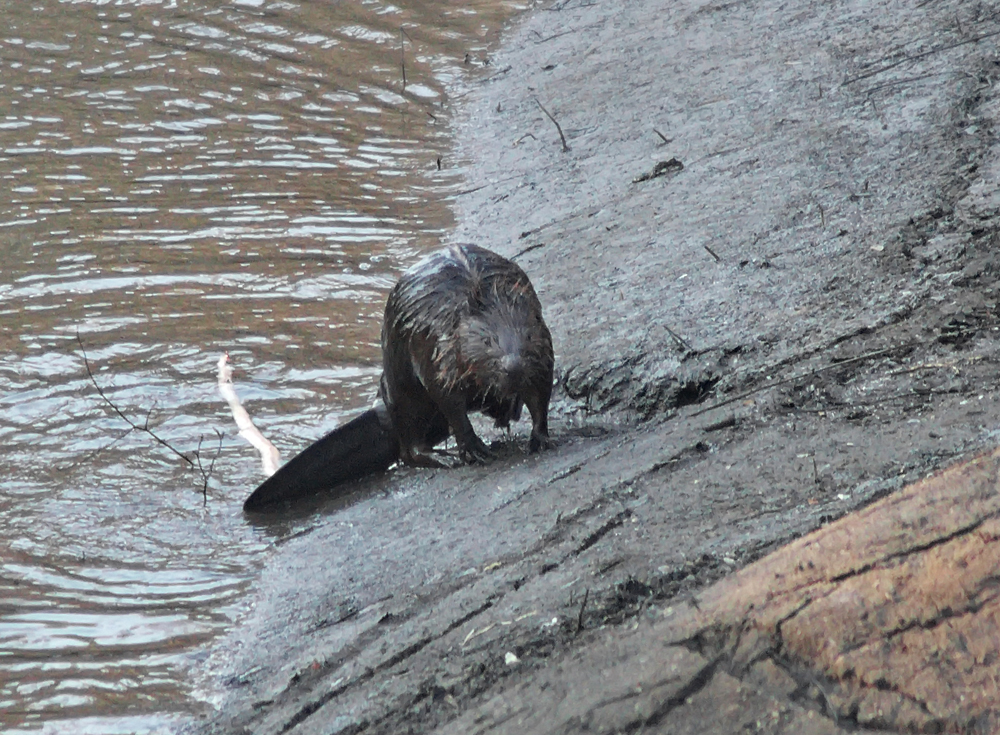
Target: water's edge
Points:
x,y
184,183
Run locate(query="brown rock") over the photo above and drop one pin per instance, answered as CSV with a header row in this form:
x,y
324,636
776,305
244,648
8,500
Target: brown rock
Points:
x,y
894,611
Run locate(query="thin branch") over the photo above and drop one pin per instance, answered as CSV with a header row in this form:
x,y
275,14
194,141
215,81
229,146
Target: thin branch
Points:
x,y
134,426
909,80
195,463
205,474
528,250
403,36
677,338
555,122
664,138
583,606
811,373
915,57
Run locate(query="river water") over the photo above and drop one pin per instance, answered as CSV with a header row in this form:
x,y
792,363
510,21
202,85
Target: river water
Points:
x,y
180,179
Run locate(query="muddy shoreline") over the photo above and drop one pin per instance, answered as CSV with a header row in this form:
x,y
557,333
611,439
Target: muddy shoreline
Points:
x,y
795,316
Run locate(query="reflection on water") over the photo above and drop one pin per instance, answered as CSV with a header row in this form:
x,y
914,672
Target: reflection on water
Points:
x,y
179,179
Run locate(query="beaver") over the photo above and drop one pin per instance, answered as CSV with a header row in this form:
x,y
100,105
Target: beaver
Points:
x,y
463,331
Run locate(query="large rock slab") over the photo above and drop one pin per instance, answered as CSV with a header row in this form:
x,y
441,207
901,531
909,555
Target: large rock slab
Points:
x,y
895,608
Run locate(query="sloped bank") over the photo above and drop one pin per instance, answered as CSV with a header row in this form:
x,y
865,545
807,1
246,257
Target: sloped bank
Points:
x,y
804,310
887,619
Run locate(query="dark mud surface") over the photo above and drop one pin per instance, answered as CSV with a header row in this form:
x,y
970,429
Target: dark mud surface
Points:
x,y
798,320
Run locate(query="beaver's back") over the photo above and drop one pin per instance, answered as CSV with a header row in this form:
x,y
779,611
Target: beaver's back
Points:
x,y
450,284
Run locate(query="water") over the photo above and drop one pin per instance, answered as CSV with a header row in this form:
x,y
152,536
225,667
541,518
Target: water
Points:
x,y
180,179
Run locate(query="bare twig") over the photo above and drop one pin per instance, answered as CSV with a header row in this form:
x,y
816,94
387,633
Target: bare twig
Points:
x,y
528,250
554,35
677,338
906,394
909,80
555,122
712,253
809,374
194,463
403,37
583,606
915,57
205,474
664,138
132,425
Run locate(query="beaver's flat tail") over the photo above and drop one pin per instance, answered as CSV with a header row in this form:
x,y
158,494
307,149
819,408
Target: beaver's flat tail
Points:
x,y
359,448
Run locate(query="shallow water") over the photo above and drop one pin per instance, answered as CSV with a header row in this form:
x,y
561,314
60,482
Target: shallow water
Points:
x,y
182,179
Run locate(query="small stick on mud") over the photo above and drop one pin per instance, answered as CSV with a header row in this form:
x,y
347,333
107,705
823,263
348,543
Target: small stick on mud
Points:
x,y
583,606
809,374
712,253
554,35
906,59
677,338
664,138
555,122
721,424
529,249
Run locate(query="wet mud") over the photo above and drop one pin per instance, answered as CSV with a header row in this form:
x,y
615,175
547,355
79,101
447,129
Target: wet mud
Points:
x,y
792,316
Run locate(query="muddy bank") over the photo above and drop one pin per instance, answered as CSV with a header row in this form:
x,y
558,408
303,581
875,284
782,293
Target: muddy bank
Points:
x,y
792,316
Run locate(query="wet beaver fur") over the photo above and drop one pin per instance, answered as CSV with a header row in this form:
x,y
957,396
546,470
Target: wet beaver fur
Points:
x,y
463,332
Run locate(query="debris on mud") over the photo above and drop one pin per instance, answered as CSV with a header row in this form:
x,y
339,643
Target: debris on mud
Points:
x,y
662,168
